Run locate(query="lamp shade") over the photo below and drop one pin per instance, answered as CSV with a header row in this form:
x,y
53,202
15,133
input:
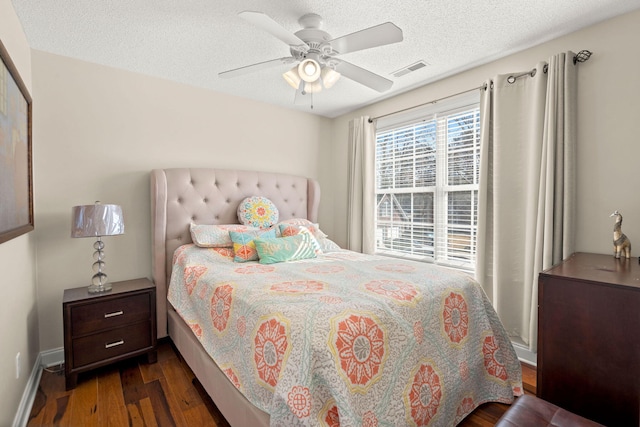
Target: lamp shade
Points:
x,y
313,87
96,220
329,77
309,70
292,77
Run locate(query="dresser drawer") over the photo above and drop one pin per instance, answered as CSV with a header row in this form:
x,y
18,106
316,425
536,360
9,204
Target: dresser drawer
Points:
x,y
109,314
111,343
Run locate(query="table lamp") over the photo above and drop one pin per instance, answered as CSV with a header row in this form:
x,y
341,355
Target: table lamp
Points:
x,y
97,220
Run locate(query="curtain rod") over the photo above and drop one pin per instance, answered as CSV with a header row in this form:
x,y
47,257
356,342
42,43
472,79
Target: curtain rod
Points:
x,y
424,103
581,56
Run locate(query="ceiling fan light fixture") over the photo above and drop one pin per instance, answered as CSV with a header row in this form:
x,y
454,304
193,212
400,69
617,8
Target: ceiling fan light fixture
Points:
x,y
313,87
329,77
292,78
309,70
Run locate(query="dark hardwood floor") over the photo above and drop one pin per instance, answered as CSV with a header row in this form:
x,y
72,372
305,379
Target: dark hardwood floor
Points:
x,y
134,393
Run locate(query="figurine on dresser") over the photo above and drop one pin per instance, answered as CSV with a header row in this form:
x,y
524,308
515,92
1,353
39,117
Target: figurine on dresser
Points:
x,y
621,243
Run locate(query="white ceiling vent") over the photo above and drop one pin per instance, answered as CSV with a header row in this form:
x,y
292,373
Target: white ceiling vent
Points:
x,y
409,69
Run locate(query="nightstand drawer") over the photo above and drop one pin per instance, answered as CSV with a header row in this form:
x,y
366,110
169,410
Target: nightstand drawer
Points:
x,y
111,343
109,314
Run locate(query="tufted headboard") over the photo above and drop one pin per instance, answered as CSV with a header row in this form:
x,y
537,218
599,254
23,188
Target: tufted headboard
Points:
x,y
211,196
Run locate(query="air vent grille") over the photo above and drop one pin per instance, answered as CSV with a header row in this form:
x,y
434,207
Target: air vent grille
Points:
x,y
409,69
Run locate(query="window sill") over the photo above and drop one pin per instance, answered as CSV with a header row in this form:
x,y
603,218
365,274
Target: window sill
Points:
x,y
449,265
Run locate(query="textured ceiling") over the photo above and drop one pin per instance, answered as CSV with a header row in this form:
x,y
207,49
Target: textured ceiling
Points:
x,y
191,41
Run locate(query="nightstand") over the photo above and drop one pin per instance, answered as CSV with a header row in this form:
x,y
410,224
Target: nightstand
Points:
x,y
104,328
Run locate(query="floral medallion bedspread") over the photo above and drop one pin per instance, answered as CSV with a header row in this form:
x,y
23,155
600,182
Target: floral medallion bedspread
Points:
x,y
347,339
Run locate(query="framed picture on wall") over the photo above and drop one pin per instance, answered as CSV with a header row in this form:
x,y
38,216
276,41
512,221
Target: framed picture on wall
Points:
x,y
16,174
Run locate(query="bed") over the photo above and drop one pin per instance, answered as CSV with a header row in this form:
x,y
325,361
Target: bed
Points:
x,y
413,344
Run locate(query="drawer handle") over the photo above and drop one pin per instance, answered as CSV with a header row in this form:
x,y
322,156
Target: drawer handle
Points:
x,y
114,344
114,314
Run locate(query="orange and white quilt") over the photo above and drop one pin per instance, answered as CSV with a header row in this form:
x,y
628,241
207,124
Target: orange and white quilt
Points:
x,y
347,339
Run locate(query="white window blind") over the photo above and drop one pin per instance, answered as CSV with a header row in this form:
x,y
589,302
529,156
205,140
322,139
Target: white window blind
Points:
x,y
427,187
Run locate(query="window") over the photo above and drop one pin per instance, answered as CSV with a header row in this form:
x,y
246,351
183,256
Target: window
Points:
x,y
427,172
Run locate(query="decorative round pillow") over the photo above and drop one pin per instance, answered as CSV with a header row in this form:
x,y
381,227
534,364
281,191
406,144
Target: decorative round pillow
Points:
x,y
257,211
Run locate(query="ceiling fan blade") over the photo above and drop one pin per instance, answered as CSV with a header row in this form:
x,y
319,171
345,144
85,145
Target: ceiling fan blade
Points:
x,y
379,35
363,76
265,22
255,67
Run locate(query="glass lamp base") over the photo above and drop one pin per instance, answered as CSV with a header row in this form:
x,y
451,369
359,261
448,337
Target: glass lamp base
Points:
x,y
99,281
104,287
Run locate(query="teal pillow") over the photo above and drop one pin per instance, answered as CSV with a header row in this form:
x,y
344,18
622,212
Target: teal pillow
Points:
x,y
244,247
284,249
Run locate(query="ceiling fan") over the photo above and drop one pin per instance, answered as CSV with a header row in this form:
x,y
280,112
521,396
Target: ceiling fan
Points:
x,y
315,53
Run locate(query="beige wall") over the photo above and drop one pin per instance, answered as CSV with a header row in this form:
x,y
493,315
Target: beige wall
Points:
x,y
98,131
608,143
18,315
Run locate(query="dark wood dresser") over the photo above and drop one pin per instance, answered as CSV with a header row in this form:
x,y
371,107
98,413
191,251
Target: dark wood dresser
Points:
x,y
589,338
108,327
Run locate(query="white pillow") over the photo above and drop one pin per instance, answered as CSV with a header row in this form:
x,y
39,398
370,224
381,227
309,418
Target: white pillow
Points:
x,y
215,236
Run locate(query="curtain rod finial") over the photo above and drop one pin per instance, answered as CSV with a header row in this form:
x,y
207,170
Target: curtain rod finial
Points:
x,y
582,56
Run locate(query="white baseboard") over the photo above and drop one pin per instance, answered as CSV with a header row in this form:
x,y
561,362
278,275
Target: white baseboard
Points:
x,y
52,357
45,359
29,395
525,355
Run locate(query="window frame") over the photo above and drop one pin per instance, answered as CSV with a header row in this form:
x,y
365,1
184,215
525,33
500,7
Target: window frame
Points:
x,y
442,188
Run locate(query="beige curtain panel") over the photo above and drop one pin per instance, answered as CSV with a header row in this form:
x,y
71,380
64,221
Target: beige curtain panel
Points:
x,y
527,187
361,190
